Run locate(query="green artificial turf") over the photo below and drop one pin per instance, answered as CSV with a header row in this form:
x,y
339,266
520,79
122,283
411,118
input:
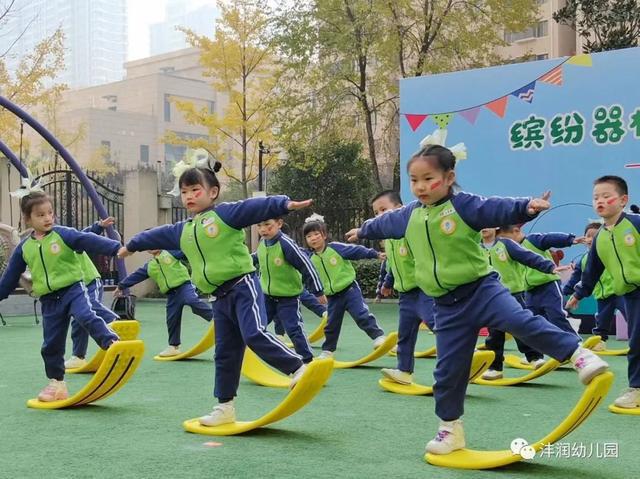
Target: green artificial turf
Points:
x,y
352,429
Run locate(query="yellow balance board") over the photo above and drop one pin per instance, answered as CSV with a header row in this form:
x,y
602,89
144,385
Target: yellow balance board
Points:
x,y
635,411
479,364
427,353
310,384
377,353
608,352
547,367
120,362
206,343
483,346
260,373
591,398
317,334
126,331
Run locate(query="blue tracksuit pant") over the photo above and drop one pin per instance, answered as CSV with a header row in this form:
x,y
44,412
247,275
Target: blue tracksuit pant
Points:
x,y
177,299
495,342
458,325
310,302
415,308
287,311
632,311
57,309
240,320
348,300
606,312
79,335
547,300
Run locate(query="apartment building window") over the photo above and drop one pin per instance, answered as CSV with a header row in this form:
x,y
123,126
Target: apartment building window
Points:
x,y
167,107
543,56
106,148
212,107
144,154
541,29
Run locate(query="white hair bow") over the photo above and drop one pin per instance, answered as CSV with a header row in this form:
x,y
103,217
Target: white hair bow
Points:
x,y
439,138
27,186
314,217
192,159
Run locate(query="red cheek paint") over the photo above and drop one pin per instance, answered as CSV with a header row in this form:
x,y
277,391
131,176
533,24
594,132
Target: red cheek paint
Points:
x,y
198,194
436,185
612,201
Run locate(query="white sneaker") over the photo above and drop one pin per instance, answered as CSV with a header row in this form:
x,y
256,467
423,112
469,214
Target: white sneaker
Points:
x,y
538,363
395,375
379,341
170,351
524,361
601,346
630,399
224,413
295,377
325,355
491,374
74,362
450,438
588,364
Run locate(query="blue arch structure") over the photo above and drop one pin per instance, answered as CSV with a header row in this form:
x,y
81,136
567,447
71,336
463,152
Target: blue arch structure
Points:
x,y
66,156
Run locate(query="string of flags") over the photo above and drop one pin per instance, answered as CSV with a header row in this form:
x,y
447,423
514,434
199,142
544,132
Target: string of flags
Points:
x,y
499,105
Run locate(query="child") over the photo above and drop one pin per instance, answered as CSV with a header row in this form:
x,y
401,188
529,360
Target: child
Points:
x,y
310,302
415,306
50,254
172,277
509,260
543,295
283,266
213,241
606,300
616,247
339,280
442,230
488,236
95,290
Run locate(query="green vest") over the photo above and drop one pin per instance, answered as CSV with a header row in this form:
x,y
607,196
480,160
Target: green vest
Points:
x,y
446,250
619,251
277,276
400,262
89,271
216,251
533,277
604,286
336,273
511,272
52,263
167,271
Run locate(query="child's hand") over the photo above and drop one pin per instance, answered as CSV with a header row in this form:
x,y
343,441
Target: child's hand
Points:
x,y
580,240
378,299
382,256
105,223
386,292
124,252
560,269
352,235
299,205
117,293
537,205
572,303
322,299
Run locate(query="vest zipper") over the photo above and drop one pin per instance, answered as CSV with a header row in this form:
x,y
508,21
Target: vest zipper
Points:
x,y
615,249
399,276
204,261
433,252
46,275
163,275
268,271
326,272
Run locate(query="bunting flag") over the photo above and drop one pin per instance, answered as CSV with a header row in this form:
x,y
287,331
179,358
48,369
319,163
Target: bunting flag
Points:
x,y
554,77
442,119
415,120
526,92
499,106
470,115
583,60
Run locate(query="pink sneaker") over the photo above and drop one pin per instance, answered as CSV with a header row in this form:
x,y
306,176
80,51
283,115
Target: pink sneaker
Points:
x,y
54,391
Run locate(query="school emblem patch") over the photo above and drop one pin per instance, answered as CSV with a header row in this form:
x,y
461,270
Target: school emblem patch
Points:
x,y
166,260
629,239
402,251
278,261
333,261
211,230
448,226
55,248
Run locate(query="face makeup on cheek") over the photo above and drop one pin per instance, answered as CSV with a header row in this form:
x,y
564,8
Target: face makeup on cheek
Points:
x,y
436,184
611,201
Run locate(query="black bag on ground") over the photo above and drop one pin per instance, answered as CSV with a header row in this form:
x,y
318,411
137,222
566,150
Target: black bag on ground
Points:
x,y
125,306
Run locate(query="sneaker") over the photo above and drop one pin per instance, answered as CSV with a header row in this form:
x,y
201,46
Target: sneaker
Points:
x,y
325,355
538,363
379,341
630,399
588,364
600,346
491,374
74,362
54,391
223,413
295,377
395,375
450,438
524,361
170,351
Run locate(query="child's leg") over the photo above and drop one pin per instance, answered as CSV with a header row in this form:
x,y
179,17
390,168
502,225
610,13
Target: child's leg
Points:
x,y
79,304
55,325
198,306
495,343
547,301
291,316
426,310
229,350
335,307
530,353
359,311
604,316
278,327
632,311
79,335
174,317
248,304
310,302
271,310
408,327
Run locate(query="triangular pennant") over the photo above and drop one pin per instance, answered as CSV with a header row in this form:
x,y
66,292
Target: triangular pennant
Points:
x,y
554,77
442,119
499,106
583,60
415,120
526,92
470,115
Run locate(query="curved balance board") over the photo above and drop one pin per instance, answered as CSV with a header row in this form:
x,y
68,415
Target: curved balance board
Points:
x,y
625,410
316,335
310,384
479,364
427,353
206,343
483,346
260,373
126,331
120,362
591,398
547,367
513,361
593,340
377,353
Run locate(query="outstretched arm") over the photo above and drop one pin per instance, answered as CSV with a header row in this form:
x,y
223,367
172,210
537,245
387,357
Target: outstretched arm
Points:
x,y
89,242
11,276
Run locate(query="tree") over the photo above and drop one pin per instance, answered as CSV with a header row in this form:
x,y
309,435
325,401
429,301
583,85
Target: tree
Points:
x,y
243,68
603,24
